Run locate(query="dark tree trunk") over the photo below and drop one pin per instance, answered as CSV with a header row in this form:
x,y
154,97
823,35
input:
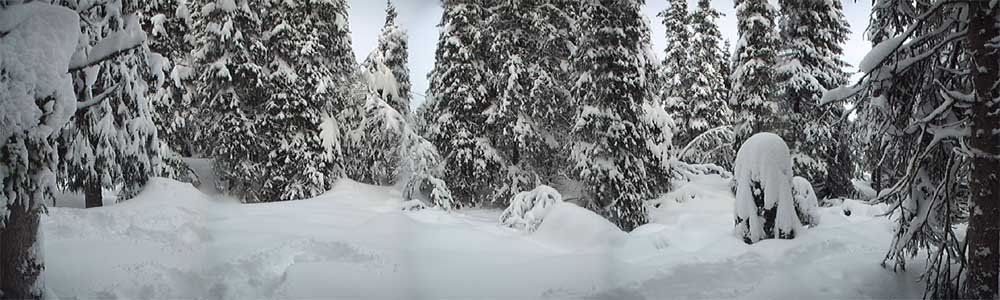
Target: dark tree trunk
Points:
x,y
984,223
840,167
92,195
19,268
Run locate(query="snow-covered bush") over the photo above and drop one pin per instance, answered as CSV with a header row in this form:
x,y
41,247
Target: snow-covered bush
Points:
x,y
528,209
806,204
424,167
765,207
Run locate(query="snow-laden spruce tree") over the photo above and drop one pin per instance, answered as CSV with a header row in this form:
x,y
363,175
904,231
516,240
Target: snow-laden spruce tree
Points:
x,y
393,47
609,150
168,28
707,94
303,39
379,138
111,142
676,71
753,94
765,207
168,25
813,33
529,123
37,44
474,170
231,57
929,95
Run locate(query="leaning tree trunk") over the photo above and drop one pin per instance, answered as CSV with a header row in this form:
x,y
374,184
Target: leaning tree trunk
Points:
x,y
19,265
984,224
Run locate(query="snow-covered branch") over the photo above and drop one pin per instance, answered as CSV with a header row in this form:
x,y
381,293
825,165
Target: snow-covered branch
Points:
x,y
110,47
97,99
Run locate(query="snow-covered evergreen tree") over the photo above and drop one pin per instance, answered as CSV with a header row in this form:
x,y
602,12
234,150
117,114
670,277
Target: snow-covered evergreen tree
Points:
x,y
112,141
302,37
707,94
393,47
929,111
529,123
475,170
726,65
753,94
813,33
38,99
609,150
676,72
378,139
231,60
168,28
37,65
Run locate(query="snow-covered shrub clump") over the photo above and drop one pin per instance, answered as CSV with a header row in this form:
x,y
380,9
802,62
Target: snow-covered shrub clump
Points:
x,y
575,228
528,209
763,185
806,204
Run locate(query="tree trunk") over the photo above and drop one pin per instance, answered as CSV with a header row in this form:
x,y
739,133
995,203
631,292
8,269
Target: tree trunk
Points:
x,y
19,267
92,195
984,224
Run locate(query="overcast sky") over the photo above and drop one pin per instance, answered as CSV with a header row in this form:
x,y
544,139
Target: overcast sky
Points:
x,y
420,17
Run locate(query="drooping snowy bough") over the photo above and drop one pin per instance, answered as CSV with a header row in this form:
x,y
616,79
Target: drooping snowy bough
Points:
x,y
528,209
765,207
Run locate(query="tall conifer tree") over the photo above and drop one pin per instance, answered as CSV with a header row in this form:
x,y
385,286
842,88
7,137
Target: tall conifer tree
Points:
x,y
708,106
813,33
753,78
609,150
112,141
459,85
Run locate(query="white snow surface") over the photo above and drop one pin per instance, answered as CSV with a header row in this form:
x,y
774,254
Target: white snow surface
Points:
x,y
173,241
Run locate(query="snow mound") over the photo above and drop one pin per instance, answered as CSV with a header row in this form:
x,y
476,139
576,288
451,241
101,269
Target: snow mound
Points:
x,y
806,204
527,209
575,228
764,204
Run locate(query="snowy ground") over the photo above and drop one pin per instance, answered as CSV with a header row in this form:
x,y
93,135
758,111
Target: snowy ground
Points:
x,y
174,241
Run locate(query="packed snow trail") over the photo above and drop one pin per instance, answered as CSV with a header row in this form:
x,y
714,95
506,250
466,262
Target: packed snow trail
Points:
x,y
173,241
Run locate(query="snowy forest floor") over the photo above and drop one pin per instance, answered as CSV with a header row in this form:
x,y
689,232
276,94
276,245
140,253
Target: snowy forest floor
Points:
x,y
174,241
